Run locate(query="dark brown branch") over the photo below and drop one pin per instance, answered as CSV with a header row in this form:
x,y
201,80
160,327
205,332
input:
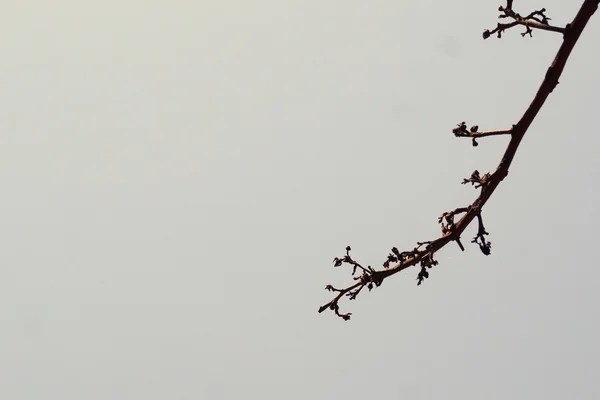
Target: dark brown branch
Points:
x,y
333,304
473,133
446,220
476,180
530,23
461,131
451,231
536,19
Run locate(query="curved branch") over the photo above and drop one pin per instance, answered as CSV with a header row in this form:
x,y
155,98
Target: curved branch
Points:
x,y
451,231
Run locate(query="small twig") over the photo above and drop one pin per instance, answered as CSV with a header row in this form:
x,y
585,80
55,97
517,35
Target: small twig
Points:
x,y
473,133
477,180
536,19
446,220
333,304
484,246
347,259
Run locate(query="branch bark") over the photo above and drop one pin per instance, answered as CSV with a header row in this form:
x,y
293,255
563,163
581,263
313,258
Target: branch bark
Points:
x,y
451,231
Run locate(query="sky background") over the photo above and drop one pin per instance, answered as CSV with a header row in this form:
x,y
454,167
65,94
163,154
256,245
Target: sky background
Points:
x,y
178,176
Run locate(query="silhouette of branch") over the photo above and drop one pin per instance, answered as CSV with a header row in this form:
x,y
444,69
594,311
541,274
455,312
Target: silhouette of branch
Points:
x,y
423,254
536,19
461,131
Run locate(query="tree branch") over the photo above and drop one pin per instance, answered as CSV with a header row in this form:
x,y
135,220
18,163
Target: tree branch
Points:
x,y
461,131
536,19
423,253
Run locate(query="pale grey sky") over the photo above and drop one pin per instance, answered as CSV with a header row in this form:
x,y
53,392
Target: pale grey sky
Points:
x,y
177,177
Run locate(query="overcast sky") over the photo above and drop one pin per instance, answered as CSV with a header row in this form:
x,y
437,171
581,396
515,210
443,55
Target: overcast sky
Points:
x,y
178,175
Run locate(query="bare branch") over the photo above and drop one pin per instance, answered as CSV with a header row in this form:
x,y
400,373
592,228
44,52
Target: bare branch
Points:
x,y
536,19
473,133
423,253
